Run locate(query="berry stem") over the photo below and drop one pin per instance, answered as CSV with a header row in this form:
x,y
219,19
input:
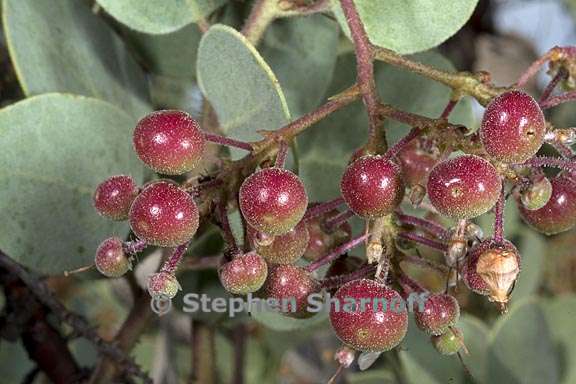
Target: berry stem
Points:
x,y
336,281
134,247
336,252
396,148
561,75
336,221
365,70
429,226
499,218
227,141
281,155
554,162
533,69
557,100
424,263
449,108
171,264
323,208
408,284
226,229
423,240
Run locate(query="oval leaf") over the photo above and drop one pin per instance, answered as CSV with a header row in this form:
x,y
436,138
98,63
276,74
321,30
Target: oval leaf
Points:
x,y
60,46
279,322
54,150
560,314
159,16
239,85
408,26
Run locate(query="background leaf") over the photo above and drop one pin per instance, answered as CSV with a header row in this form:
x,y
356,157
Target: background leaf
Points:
x,y
409,26
560,313
56,148
240,85
159,16
521,350
532,248
60,46
279,322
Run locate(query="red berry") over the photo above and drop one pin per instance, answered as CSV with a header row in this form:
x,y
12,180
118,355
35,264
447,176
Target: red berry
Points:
x,y
169,142
449,343
286,248
559,213
243,274
372,186
416,163
321,241
464,187
163,285
290,286
513,127
491,269
111,261
114,196
164,215
441,311
273,200
364,328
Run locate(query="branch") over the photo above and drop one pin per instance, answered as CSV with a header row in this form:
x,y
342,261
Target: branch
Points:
x,y
203,352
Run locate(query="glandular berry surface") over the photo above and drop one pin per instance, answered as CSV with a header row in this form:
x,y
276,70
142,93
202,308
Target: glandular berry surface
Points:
x,y
165,215
441,311
114,196
273,200
368,328
464,187
111,260
286,248
170,142
243,274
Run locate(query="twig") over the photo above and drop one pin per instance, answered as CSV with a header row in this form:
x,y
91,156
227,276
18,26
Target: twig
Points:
x,y
336,221
561,75
423,240
281,155
554,162
320,209
336,252
499,217
222,140
203,354
557,100
171,264
429,226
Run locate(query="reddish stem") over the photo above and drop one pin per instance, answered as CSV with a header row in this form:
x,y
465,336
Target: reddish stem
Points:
x,y
403,142
429,226
338,220
320,209
226,229
425,263
533,69
171,264
499,217
281,155
554,162
133,247
449,108
561,75
557,100
423,240
337,281
336,252
227,141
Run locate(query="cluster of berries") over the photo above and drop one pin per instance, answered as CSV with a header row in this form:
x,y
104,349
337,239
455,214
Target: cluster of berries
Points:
x,y
283,227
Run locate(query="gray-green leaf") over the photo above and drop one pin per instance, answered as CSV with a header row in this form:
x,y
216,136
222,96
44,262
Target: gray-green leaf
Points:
x,y
60,46
54,150
409,26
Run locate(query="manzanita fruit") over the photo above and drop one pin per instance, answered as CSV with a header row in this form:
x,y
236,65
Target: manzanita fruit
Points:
x,y
372,186
163,285
538,193
244,273
111,260
165,215
491,269
559,213
114,196
369,327
441,311
286,248
448,343
170,142
513,127
273,200
416,163
464,187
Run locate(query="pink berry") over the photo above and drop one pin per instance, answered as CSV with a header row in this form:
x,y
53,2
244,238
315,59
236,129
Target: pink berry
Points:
x,y
243,274
441,311
169,142
164,215
111,261
290,286
364,328
321,240
163,285
464,187
273,200
559,213
286,248
416,163
114,196
372,186
513,127
491,269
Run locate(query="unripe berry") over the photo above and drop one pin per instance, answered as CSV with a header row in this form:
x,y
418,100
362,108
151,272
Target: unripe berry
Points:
x,y
513,127
243,274
491,269
537,195
163,285
114,196
164,215
169,142
366,329
372,186
273,200
416,163
321,241
441,311
286,248
111,260
559,213
464,187
290,285
448,343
